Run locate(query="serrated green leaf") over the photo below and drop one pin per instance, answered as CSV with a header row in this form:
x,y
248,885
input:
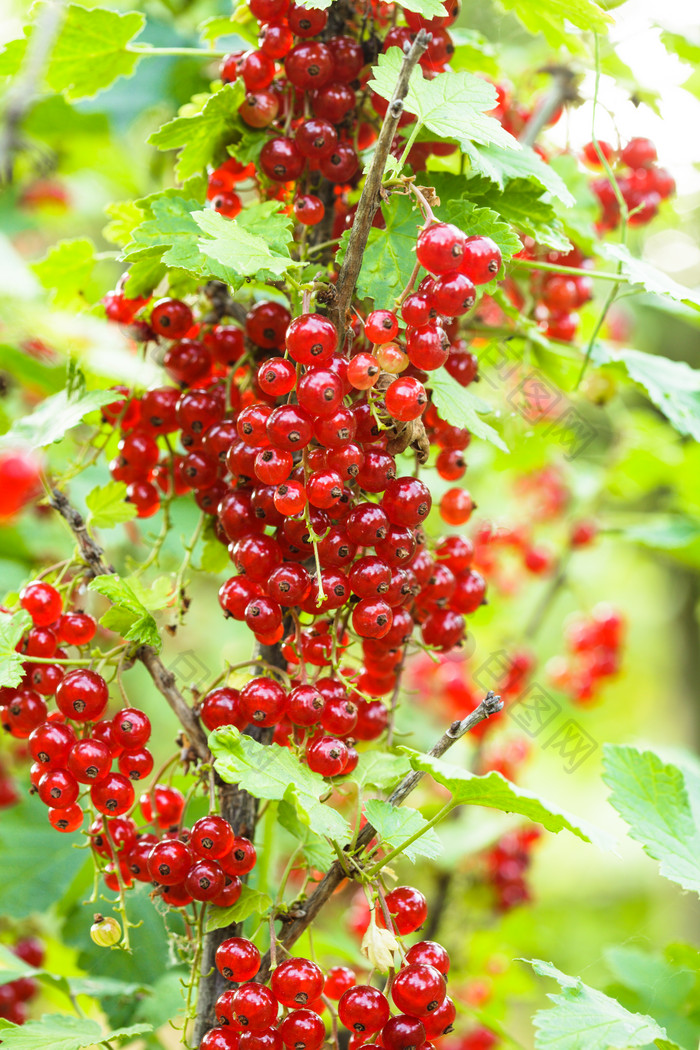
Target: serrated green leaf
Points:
x,y
90,51
170,227
451,105
495,792
12,627
248,146
124,216
673,386
317,853
550,17
213,28
250,902
66,269
380,769
661,804
652,279
273,772
203,136
64,1032
54,417
662,986
395,824
583,1018
233,252
145,274
108,507
483,222
503,165
389,256
128,616
458,406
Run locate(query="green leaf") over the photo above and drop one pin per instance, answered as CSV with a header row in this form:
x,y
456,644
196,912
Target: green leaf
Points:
x,y
389,257
395,824
426,8
53,417
451,105
233,251
202,136
108,507
213,28
317,853
673,386
380,769
170,227
66,269
90,51
250,902
653,280
128,616
12,627
458,406
661,804
124,216
661,985
26,833
273,772
248,147
550,17
583,1018
495,792
664,532
64,1032
503,165
145,274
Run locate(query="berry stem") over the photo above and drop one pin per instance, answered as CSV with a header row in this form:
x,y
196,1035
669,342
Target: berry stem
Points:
x,y
398,850
568,271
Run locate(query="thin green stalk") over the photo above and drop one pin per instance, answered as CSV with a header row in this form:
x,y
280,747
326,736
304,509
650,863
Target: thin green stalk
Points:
x,y
568,271
372,873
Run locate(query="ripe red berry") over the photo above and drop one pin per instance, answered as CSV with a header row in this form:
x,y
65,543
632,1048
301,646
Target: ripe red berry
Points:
x,y
297,982
171,318
363,1009
311,339
254,1007
42,601
302,1030
481,260
407,907
113,795
82,695
89,760
211,836
405,399
403,1032
327,756
131,728
440,247
418,989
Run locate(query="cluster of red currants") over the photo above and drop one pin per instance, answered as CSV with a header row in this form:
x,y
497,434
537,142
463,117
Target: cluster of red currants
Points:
x,y
204,863
641,183
302,85
74,746
594,643
15,995
248,1015
507,865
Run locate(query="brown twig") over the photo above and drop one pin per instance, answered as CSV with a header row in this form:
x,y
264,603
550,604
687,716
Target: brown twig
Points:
x,y
370,199
163,679
305,911
563,90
